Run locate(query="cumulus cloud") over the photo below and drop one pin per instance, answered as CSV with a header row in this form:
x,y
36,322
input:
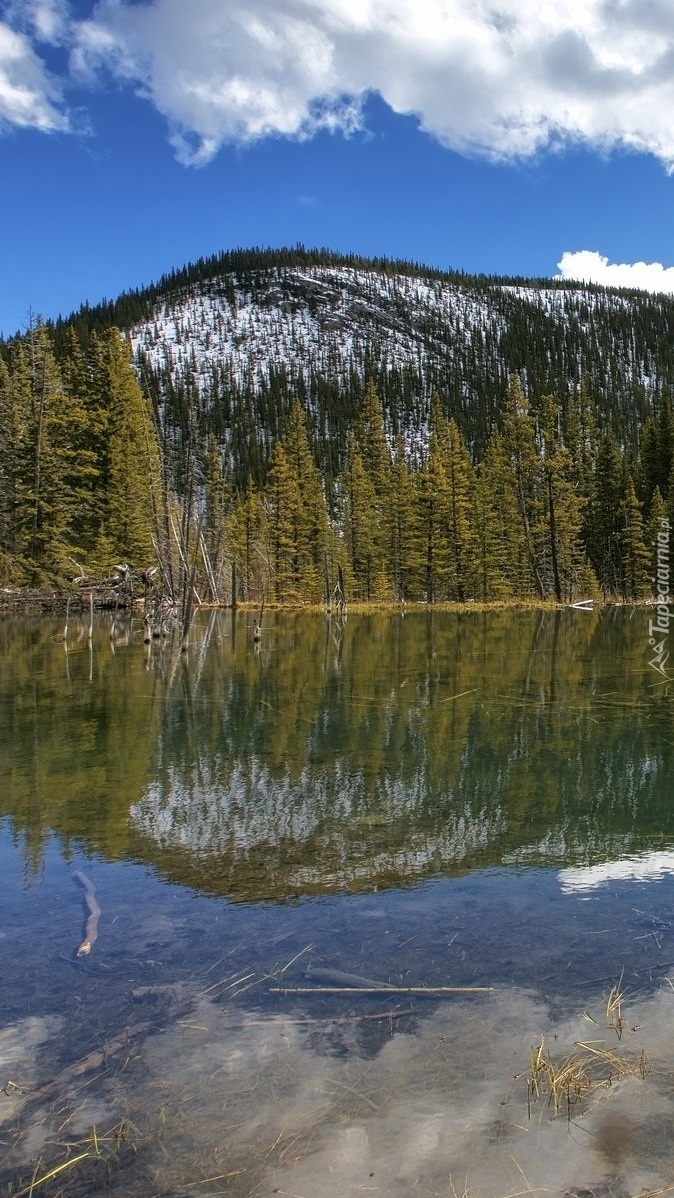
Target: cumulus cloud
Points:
x,y
502,78
590,267
29,97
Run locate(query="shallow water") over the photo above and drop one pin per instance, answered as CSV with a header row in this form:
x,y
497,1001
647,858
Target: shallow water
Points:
x,y
424,801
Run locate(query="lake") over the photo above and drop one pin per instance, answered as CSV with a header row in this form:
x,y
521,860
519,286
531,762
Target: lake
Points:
x,y
386,907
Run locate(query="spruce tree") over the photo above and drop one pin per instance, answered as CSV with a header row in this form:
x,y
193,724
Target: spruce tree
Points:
x,y
432,522
491,565
46,461
402,530
460,533
563,512
9,478
246,533
636,560
363,538
284,505
128,458
602,516
520,446
313,524
373,449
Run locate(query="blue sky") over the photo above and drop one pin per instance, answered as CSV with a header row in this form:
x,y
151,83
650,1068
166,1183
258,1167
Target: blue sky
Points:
x,y
504,138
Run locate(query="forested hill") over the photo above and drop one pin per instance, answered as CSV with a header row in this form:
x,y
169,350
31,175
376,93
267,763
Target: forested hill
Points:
x,y
270,421
234,339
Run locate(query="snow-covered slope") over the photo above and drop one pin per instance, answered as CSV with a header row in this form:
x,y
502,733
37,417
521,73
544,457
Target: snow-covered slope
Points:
x,y
338,319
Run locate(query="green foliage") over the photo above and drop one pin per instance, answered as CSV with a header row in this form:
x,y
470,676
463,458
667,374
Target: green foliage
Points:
x,y
515,480
78,459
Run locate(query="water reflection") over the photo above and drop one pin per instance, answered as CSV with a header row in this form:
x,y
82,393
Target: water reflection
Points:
x,y
248,1103
422,800
374,754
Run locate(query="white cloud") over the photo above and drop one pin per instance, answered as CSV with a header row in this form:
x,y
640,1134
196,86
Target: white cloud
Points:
x,y
503,78
591,267
29,97
48,20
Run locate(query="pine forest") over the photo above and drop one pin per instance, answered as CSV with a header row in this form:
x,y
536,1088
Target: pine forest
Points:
x,y
291,426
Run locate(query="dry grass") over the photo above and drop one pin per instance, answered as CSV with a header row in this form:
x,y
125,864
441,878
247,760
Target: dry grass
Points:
x,y
571,1081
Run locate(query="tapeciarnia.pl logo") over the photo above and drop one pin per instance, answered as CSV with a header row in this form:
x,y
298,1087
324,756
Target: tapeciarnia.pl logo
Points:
x,y
658,630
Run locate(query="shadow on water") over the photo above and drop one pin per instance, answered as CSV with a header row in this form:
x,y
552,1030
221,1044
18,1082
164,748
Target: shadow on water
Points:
x,y
415,803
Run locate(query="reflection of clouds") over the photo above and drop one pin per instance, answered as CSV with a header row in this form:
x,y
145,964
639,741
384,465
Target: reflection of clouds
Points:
x,y
643,867
346,1106
20,1046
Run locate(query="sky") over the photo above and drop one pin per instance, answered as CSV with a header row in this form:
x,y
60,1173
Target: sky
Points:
x,y
518,137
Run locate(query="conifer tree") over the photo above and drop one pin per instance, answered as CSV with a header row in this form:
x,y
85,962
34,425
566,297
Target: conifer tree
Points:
x,y
128,457
602,518
46,458
9,477
313,524
658,515
370,438
365,557
508,556
520,447
403,530
649,462
433,516
665,443
460,534
636,559
86,424
491,570
563,506
284,506
246,528
580,435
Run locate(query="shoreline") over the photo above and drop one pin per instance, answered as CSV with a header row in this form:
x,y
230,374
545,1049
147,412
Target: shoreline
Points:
x,y
33,601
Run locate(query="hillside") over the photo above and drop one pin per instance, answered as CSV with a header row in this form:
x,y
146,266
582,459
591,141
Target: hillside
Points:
x,y
287,419
243,334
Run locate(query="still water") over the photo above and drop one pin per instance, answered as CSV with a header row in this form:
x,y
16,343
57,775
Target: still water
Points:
x,y
386,908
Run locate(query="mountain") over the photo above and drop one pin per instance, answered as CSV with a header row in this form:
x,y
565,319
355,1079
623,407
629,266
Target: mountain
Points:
x,y
235,338
293,423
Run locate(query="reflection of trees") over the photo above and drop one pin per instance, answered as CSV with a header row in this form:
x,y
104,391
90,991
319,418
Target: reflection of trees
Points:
x,y
414,744
404,746
78,725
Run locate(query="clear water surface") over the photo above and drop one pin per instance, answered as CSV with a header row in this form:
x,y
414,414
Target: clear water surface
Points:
x,y
386,907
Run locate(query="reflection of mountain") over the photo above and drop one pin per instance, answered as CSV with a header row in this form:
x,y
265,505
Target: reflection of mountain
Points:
x,y
376,754
408,747
252,812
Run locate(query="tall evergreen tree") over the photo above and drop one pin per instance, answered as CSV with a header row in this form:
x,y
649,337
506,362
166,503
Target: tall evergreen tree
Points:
x,y
602,517
245,532
636,561
313,523
128,457
284,505
520,446
9,477
563,509
403,529
460,479
433,514
505,564
373,449
46,457
366,556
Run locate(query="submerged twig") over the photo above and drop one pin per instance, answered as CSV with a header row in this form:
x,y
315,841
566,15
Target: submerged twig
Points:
x,y
382,990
